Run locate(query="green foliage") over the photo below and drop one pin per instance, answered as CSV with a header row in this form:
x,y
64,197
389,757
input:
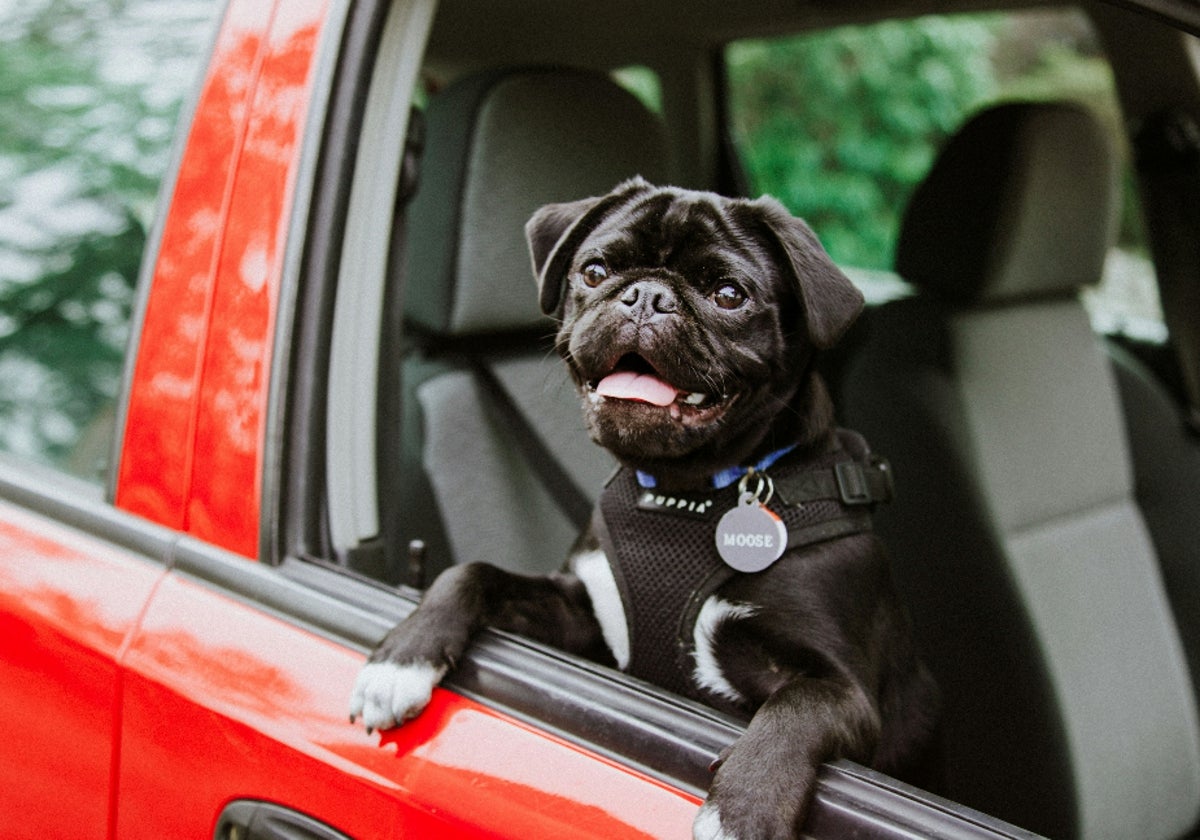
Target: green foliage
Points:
x,y
841,125
643,83
89,94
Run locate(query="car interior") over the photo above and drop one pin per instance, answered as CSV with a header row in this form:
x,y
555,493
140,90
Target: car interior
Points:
x,y
1043,531
993,398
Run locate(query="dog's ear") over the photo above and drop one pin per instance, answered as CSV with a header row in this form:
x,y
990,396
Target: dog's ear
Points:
x,y
545,231
831,302
555,232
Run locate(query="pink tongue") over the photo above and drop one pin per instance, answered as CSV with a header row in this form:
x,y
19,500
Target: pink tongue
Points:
x,y
627,385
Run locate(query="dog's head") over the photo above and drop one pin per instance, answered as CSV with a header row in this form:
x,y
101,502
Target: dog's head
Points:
x,y
688,320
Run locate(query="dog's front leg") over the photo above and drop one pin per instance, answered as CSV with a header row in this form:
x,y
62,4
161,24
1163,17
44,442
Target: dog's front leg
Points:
x,y
765,781
398,679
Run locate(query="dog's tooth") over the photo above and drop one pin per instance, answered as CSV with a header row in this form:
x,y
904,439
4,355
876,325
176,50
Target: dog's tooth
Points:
x,y
695,398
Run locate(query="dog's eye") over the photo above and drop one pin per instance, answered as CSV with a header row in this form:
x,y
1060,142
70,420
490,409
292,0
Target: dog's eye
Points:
x,y
728,296
594,273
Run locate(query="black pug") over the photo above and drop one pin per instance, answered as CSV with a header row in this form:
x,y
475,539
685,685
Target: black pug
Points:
x,y
731,559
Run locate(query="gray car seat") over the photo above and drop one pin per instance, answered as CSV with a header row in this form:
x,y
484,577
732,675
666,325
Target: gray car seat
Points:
x,y
1018,536
499,145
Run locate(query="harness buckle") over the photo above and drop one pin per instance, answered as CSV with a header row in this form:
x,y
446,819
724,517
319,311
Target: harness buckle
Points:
x,y
864,485
852,483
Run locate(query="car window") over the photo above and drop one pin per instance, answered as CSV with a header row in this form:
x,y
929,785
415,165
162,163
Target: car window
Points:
x,y
90,93
643,83
842,124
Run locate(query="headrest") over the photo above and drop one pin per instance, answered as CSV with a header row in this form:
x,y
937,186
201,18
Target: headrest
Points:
x,y
499,145
1020,204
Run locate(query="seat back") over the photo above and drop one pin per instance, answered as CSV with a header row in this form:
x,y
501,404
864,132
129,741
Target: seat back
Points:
x,y
1017,535
499,145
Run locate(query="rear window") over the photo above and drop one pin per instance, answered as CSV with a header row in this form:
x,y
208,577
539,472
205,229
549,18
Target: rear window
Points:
x,y
842,124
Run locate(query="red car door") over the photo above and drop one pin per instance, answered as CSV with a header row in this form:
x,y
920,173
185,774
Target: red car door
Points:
x,y
236,680
226,703
69,603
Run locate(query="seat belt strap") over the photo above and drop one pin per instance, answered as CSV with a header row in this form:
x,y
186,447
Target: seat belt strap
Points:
x,y
563,489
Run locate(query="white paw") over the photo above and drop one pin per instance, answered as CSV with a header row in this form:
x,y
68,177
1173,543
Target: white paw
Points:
x,y
386,694
707,825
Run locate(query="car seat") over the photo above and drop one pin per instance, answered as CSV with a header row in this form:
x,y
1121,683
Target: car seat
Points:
x,y
1017,534
499,144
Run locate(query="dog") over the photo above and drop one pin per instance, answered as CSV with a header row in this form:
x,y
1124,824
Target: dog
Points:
x,y
730,557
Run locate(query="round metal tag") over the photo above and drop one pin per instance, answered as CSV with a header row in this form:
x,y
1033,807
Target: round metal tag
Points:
x,y
750,537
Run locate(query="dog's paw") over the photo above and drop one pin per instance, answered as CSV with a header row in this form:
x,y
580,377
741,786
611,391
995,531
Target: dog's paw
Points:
x,y
707,825
754,820
753,797
386,694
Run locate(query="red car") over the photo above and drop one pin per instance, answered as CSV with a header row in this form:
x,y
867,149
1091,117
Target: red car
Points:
x,y
231,451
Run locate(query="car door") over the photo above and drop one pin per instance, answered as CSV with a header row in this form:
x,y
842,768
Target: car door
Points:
x,y
181,657
69,600
176,657
236,681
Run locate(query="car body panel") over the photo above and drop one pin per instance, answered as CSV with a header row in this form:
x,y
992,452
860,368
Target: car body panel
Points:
x,y
69,604
242,704
225,495
155,466
192,448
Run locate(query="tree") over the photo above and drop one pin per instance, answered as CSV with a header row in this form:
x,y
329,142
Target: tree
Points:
x,y
89,95
841,125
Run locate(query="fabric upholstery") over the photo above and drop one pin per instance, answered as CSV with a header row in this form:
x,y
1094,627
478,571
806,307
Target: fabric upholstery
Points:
x,y
1038,395
1166,462
1002,727
1044,416
1016,528
1036,219
496,509
499,145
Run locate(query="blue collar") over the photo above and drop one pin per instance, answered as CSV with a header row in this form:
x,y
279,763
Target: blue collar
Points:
x,y
725,477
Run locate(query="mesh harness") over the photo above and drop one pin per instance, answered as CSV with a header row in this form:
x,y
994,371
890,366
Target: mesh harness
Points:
x,y
662,551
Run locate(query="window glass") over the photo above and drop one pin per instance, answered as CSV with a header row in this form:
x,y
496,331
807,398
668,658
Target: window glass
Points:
x,y
842,124
90,92
643,83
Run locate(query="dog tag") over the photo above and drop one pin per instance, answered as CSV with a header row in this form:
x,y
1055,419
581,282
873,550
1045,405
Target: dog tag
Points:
x,y
750,537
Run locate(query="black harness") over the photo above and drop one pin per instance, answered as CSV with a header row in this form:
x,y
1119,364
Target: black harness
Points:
x,y
662,547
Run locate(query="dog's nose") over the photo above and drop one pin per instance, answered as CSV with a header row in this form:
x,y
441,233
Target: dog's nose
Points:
x,y
649,298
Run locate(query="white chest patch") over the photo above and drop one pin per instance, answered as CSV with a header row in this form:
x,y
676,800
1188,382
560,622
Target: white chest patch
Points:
x,y
708,673
593,571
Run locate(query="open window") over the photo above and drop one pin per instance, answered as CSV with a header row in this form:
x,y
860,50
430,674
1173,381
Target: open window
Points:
x,y
843,123
411,465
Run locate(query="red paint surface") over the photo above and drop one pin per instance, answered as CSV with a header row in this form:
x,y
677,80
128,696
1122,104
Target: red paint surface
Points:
x,y
225,495
138,703
240,704
68,604
154,475
192,453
